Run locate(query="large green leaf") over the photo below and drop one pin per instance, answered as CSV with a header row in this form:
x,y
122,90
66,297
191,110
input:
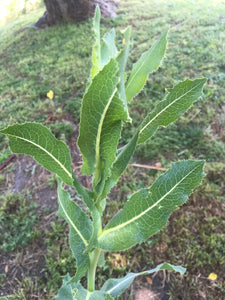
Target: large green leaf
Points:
x,y
36,140
100,126
148,210
95,104
80,229
115,287
178,100
148,62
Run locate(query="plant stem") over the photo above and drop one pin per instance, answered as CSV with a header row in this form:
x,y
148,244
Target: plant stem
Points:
x,y
94,256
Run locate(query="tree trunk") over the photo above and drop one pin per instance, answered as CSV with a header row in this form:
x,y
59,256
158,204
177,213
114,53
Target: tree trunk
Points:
x,y
74,10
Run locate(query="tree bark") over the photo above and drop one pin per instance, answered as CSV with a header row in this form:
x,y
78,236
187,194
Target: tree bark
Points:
x,y
58,11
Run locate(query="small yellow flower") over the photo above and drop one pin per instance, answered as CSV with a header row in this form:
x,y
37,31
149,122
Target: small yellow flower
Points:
x,y
124,42
212,276
82,82
50,95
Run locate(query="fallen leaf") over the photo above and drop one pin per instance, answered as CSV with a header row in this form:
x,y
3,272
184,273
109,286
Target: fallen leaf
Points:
x,y
149,280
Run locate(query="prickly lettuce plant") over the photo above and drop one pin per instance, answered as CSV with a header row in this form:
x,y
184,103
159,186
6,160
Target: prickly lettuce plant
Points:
x,y
104,110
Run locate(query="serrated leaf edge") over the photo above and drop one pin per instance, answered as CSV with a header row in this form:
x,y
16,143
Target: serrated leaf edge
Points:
x,y
40,147
69,219
148,209
165,108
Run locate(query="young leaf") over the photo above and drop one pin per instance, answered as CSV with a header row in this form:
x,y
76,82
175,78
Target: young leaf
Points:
x,y
178,100
122,61
120,165
115,287
36,140
148,62
148,210
96,51
80,229
108,48
111,132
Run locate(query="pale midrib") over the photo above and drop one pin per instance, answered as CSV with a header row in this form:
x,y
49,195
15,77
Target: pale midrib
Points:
x,y
98,138
43,149
177,99
147,210
88,295
118,284
73,225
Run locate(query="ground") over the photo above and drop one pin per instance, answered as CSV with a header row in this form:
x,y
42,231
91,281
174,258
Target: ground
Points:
x,y
36,256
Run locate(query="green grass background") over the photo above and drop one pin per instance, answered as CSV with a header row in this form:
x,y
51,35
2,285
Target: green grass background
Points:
x,y
32,62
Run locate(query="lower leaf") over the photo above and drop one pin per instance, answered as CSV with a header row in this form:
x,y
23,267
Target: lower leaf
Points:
x,y
67,290
115,287
80,229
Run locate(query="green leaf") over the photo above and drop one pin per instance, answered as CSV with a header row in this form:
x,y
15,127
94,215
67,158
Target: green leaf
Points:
x,y
81,293
122,61
95,104
100,126
110,134
80,229
120,165
108,48
148,210
108,297
178,100
96,51
36,140
66,290
101,260
148,62
88,198
115,287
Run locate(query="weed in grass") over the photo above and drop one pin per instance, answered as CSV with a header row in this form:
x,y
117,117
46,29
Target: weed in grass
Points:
x,y
63,131
58,258
17,222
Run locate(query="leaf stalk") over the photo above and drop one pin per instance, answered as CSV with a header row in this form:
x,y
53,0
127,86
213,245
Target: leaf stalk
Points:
x,y
94,257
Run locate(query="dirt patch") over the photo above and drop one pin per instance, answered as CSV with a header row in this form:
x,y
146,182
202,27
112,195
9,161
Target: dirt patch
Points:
x,y
151,288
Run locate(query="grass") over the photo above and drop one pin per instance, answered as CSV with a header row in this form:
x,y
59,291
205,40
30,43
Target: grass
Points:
x,y
59,59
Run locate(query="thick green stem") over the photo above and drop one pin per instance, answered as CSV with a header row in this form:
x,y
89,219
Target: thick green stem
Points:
x,y
94,257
